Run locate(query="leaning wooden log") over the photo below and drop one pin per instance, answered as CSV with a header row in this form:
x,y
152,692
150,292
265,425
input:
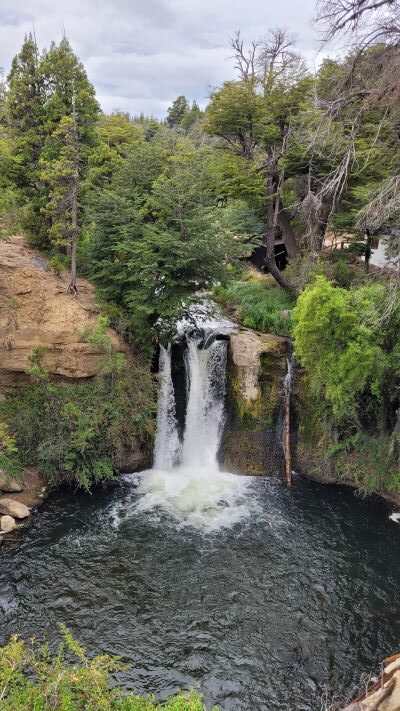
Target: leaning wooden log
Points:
x,y
384,694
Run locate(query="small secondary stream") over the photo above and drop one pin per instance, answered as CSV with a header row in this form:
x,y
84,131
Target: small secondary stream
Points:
x,y
264,598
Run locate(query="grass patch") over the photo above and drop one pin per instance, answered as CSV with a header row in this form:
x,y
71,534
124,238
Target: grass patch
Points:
x,y
259,304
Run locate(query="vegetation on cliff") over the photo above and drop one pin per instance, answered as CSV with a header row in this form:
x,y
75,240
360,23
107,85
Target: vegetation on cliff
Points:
x,y
347,340
79,433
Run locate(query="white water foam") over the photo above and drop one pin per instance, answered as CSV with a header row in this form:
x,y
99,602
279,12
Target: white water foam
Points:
x,y
186,481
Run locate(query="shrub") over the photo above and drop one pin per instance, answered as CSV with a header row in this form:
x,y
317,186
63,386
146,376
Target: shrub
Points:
x,y
32,678
336,343
342,273
9,460
369,461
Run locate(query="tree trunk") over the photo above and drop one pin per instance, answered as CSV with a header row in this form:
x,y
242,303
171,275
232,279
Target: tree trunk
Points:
x,y
367,250
72,288
271,214
288,235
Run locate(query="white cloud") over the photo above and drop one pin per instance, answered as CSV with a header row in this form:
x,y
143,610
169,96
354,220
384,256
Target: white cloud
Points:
x,y
141,54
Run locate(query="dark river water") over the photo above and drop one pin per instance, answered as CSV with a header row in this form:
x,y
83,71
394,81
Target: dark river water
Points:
x,y
297,601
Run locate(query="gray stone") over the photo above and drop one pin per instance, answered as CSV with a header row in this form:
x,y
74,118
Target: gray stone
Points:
x,y
7,524
9,507
40,262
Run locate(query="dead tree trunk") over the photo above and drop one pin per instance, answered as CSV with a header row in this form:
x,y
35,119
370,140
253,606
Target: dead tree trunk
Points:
x,y
288,236
72,288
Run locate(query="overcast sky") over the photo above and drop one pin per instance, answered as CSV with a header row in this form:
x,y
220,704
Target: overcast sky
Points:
x,y
142,54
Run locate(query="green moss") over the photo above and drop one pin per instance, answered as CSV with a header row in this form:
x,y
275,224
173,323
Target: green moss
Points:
x,y
367,460
251,442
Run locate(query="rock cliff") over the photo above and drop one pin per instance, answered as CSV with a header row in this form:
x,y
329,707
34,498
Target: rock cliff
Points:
x,y
256,369
35,309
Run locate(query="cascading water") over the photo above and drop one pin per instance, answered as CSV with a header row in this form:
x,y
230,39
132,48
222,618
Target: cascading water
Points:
x,y
205,376
167,446
186,481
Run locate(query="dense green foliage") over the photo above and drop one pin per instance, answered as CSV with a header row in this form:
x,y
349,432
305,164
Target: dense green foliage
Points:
x,y
32,677
159,237
337,342
347,340
80,433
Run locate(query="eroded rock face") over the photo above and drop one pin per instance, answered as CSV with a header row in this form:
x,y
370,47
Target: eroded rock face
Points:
x,y
7,524
9,485
35,309
246,349
9,507
256,369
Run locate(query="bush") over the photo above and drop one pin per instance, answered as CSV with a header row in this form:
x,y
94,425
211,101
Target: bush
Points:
x,y
260,304
9,460
34,679
335,341
342,273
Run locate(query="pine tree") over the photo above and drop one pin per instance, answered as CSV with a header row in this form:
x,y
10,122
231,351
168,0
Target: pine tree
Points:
x,y
25,111
62,179
65,79
177,111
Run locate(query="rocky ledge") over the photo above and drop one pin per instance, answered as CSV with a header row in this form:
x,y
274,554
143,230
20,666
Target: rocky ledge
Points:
x,y
35,309
256,370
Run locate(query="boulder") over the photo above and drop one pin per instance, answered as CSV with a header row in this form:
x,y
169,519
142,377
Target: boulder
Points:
x,y
9,507
7,524
8,484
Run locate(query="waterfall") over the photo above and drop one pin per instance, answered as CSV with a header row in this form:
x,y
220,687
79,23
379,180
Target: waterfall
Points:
x,y
167,445
205,380
186,481
205,391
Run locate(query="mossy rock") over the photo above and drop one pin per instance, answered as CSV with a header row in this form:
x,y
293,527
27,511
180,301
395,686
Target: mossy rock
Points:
x,y
252,439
